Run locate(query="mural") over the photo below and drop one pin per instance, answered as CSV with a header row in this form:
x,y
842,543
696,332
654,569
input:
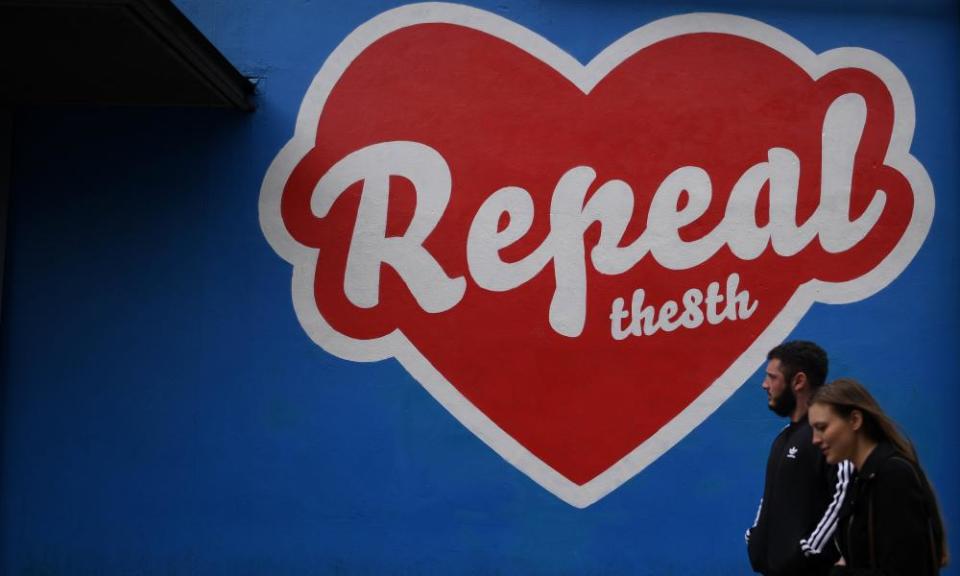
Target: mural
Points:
x,y
475,290
582,262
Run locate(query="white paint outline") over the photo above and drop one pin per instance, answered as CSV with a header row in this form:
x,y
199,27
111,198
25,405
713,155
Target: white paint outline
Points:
x,y
395,344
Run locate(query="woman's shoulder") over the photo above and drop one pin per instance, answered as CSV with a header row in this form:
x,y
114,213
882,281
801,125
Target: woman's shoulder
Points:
x,y
897,470
898,466
888,463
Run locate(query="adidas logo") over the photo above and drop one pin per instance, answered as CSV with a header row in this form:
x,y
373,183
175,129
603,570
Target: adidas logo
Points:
x,y
792,452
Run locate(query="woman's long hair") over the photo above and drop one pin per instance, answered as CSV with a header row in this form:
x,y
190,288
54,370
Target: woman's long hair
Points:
x,y
846,395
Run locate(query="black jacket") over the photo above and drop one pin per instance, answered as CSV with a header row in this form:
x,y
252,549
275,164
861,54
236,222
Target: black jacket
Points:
x,y
802,495
889,523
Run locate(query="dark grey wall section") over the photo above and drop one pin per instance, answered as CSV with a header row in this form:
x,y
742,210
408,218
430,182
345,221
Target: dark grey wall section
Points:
x,y
6,149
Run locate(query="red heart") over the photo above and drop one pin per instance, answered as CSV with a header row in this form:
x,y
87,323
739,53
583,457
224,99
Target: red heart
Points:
x,y
716,93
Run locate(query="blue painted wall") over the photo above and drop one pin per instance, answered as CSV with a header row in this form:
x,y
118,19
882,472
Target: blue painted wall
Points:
x,y
164,412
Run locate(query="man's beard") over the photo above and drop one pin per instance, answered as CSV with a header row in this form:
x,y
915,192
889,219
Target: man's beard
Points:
x,y
785,403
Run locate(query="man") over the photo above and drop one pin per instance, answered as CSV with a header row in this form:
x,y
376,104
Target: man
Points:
x,y
802,494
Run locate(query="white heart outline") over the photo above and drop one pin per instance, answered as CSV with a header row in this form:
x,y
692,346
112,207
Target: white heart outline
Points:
x,y
395,344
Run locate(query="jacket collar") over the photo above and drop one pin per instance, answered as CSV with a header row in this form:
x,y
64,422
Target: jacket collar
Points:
x,y
880,454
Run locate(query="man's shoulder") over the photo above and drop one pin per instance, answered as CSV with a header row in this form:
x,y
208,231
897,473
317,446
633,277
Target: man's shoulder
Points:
x,y
795,444
782,436
798,432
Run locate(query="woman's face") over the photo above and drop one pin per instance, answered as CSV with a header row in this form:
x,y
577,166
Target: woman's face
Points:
x,y
833,434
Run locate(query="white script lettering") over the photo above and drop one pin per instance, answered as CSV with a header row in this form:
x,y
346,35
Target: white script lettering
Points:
x,y
646,320
612,206
370,247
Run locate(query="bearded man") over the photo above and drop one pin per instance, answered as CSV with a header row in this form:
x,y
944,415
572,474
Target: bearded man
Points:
x,y
802,494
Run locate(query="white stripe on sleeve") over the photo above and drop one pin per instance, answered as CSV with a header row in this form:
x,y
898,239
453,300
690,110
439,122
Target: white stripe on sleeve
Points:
x,y
746,535
815,543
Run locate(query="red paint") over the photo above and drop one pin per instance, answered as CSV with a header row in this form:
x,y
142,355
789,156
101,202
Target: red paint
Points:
x,y
501,117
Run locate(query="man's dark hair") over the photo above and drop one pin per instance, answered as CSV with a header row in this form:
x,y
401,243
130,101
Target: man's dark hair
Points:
x,y
801,356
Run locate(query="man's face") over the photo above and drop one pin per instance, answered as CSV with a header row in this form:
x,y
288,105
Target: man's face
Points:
x,y
780,396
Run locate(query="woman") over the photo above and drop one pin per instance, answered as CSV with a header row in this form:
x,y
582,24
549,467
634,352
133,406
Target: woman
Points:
x,y
890,521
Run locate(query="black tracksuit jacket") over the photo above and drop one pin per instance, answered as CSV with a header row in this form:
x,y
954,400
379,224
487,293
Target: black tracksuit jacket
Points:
x,y
802,496
889,524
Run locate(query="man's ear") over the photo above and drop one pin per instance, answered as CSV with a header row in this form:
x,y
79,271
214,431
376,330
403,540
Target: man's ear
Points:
x,y
799,382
